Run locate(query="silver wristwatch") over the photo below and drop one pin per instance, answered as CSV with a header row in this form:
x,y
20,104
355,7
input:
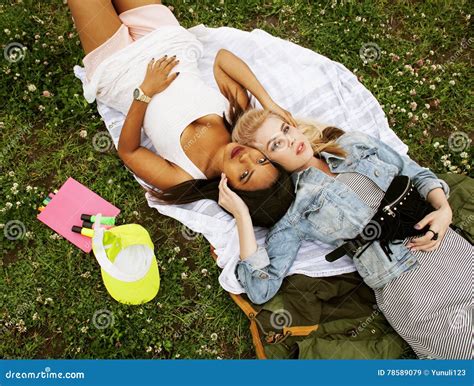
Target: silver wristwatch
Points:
x,y
139,95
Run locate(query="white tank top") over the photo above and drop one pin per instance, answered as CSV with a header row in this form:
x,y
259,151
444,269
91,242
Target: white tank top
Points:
x,y
186,99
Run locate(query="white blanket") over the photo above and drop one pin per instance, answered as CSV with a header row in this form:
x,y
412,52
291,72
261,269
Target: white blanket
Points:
x,y
301,81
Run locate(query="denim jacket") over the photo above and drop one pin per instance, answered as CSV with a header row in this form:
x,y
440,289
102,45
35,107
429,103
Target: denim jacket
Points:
x,y
327,210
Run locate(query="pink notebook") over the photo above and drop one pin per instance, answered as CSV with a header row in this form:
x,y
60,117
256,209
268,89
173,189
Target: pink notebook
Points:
x,y
65,209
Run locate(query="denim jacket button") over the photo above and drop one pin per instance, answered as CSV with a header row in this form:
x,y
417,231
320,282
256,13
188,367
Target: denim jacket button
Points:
x,y
376,173
263,275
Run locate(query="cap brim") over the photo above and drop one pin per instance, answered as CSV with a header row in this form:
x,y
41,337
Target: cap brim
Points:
x,y
136,292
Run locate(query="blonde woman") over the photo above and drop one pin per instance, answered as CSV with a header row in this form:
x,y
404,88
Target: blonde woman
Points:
x,y
422,284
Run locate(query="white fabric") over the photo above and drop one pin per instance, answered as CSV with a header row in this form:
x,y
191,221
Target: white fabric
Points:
x,y
301,81
131,264
186,99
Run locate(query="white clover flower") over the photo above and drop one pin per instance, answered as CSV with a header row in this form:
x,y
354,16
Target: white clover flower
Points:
x,y
149,348
184,275
214,336
463,154
358,18
403,111
432,87
204,271
452,82
412,92
436,144
29,188
413,106
410,114
424,115
177,249
8,205
427,106
208,286
431,52
31,87
453,167
35,316
390,88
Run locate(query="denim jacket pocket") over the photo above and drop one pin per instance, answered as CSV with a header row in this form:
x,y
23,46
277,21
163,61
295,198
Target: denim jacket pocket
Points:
x,y
325,216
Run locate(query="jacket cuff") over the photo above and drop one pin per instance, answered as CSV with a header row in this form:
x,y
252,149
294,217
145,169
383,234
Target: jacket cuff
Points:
x,y
431,184
259,259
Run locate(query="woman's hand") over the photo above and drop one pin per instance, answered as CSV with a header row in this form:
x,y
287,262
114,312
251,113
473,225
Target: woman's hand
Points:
x,y
285,115
158,76
230,201
439,221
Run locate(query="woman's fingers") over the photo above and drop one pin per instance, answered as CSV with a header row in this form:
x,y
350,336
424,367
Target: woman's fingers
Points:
x,y
427,237
427,247
170,64
434,247
421,243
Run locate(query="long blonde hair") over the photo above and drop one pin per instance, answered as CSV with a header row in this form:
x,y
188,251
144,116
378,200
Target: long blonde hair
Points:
x,y
322,137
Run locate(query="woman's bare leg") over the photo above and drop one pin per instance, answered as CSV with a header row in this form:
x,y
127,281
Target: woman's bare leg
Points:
x,y
95,21
125,5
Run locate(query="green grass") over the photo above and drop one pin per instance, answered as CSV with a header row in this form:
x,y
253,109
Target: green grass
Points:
x,y
50,290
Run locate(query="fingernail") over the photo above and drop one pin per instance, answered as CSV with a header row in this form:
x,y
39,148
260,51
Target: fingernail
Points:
x,y
417,226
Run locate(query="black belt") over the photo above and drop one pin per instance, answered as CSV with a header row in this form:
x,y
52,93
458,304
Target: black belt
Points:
x,y
350,248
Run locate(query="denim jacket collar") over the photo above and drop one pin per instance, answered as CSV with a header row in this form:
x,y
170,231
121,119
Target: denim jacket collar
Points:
x,y
333,161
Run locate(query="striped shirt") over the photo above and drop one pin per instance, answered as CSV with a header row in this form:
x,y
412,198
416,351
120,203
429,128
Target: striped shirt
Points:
x,y
429,306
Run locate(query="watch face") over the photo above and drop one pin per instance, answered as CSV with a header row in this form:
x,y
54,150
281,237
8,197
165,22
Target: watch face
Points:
x,y
136,93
